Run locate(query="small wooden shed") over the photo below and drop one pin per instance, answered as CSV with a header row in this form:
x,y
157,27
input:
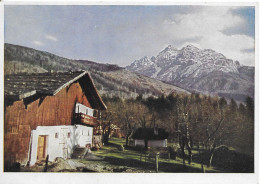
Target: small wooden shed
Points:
x,y
155,137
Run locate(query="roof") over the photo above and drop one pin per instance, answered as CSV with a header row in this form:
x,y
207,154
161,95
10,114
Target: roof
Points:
x,y
20,86
149,133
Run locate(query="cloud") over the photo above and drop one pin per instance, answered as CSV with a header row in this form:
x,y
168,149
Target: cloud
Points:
x,y
121,35
203,26
209,24
35,42
50,37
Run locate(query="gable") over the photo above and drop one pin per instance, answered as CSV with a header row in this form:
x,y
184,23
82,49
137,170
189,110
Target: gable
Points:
x,y
31,87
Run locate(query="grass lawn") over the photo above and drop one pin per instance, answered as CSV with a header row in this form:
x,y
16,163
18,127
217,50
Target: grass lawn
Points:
x,y
131,158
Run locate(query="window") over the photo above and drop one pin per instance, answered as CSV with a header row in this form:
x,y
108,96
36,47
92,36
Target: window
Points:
x,y
80,108
56,135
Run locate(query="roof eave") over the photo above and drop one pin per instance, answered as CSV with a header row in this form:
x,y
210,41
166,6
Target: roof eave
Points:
x,y
68,83
99,97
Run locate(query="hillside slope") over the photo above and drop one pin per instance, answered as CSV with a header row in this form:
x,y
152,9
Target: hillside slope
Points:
x,y
110,79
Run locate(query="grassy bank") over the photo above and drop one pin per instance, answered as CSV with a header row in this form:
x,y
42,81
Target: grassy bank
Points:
x,y
131,158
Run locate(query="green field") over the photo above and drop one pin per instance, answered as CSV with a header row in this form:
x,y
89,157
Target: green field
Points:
x,y
130,158
111,158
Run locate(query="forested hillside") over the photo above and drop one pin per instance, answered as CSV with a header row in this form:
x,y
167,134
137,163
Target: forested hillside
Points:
x,y
194,122
110,79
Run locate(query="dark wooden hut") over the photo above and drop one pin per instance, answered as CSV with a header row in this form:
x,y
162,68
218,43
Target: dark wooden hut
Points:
x,y
151,137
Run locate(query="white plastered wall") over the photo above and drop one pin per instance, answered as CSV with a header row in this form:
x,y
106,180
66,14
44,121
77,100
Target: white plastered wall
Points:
x,y
61,140
151,143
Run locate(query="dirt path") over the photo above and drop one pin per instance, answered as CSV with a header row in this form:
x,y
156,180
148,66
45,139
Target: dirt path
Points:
x,y
82,165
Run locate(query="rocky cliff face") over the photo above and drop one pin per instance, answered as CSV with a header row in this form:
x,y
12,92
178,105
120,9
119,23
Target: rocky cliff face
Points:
x,y
205,71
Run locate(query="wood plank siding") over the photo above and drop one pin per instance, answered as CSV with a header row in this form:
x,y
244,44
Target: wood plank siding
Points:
x,y
21,118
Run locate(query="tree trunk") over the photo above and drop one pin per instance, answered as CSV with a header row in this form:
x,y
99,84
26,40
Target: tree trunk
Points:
x,y
182,145
126,140
105,139
145,144
182,150
209,161
202,168
209,156
191,142
190,153
201,159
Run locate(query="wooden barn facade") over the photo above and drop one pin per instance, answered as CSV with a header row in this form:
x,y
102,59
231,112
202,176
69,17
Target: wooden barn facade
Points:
x,y
48,114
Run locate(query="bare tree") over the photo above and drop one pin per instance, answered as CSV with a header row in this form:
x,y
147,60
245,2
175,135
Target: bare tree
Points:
x,y
209,125
183,127
106,122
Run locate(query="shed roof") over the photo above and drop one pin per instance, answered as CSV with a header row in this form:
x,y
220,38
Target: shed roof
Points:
x,y
149,133
20,86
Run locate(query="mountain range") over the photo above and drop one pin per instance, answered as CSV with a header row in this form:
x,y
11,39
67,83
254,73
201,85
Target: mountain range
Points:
x,y
198,70
110,80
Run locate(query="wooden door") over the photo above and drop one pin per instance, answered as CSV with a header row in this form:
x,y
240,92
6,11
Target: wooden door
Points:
x,y
41,150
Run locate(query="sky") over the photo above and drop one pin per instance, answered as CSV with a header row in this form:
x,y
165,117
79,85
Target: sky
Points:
x,y
122,34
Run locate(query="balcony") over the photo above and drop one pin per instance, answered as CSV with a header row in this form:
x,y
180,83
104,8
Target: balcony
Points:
x,y
81,118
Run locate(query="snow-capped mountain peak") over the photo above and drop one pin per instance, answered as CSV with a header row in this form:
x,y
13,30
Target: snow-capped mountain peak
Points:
x,y
170,47
191,47
190,65
168,53
141,63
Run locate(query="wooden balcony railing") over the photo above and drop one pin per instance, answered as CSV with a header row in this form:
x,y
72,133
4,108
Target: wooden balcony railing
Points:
x,y
85,119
